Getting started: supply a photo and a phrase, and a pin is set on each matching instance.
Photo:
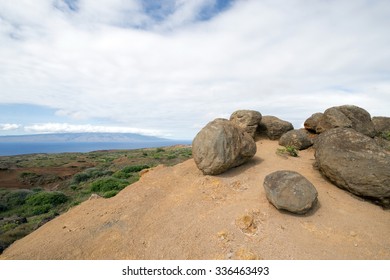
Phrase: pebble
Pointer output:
(352, 233)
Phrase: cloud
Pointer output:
(9, 126)
(115, 61)
(65, 127)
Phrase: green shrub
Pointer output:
(135, 168)
(8, 226)
(122, 175)
(110, 194)
(80, 177)
(16, 198)
(171, 156)
(288, 150)
(3, 207)
(160, 150)
(129, 171)
(89, 174)
(46, 198)
(108, 184)
(292, 151)
(386, 135)
(38, 210)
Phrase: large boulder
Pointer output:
(221, 145)
(247, 120)
(383, 142)
(289, 190)
(382, 125)
(347, 116)
(312, 122)
(297, 138)
(354, 162)
(273, 127)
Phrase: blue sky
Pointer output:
(166, 68)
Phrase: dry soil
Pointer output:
(178, 213)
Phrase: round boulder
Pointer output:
(347, 116)
(221, 145)
(354, 162)
(289, 190)
(247, 120)
(273, 127)
(382, 125)
(297, 138)
(312, 122)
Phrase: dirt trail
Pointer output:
(178, 213)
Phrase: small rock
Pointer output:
(245, 254)
(94, 196)
(289, 190)
(223, 235)
(246, 224)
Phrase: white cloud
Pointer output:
(289, 59)
(65, 127)
(9, 126)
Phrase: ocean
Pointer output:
(8, 149)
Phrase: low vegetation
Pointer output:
(46, 185)
(287, 151)
(386, 135)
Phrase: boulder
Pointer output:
(247, 120)
(381, 125)
(289, 190)
(347, 116)
(221, 145)
(354, 162)
(383, 142)
(312, 122)
(273, 127)
(297, 138)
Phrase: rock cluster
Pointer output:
(223, 144)
(351, 149)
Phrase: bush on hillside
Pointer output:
(89, 174)
(108, 184)
(46, 198)
(16, 198)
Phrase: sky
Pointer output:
(167, 68)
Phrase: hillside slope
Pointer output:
(178, 213)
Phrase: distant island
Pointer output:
(79, 142)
